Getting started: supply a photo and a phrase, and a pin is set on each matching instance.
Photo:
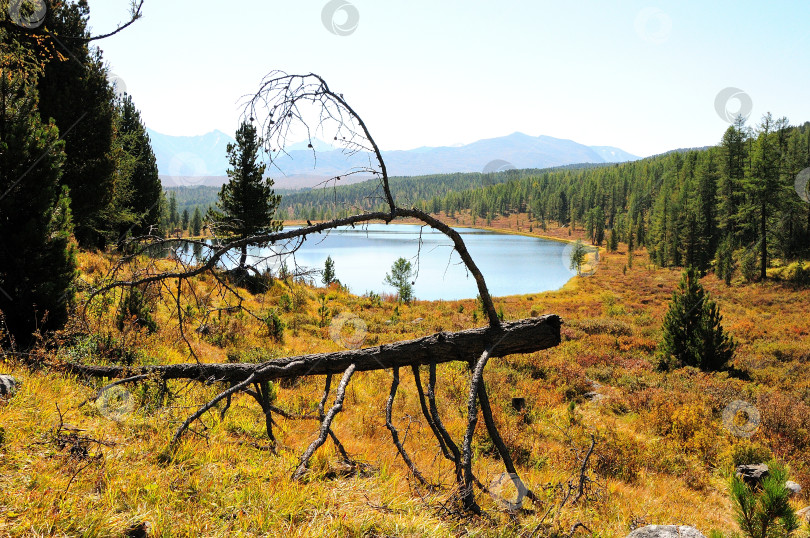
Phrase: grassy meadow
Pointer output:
(662, 453)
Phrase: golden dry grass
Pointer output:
(662, 452)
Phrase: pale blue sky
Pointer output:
(639, 75)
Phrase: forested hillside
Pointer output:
(336, 199)
(688, 207)
(733, 204)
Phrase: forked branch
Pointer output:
(326, 424)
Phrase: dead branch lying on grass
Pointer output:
(522, 336)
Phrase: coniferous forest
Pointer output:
(733, 205)
(76, 167)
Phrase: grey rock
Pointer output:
(793, 487)
(8, 385)
(594, 396)
(804, 514)
(752, 474)
(666, 531)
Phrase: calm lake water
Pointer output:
(511, 264)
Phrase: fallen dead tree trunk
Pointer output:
(522, 336)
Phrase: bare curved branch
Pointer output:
(395, 434)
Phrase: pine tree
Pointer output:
(793, 229)
(37, 262)
(174, 216)
(577, 258)
(613, 241)
(630, 246)
(399, 278)
(693, 239)
(196, 222)
(662, 228)
(141, 175)
(733, 156)
(562, 209)
(764, 512)
(692, 330)
(724, 262)
(763, 188)
(630, 238)
(641, 235)
(75, 93)
(184, 219)
(707, 176)
(247, 203)
(595, 221)
(328, 271)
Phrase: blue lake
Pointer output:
(511, 264)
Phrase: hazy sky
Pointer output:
(640, 75)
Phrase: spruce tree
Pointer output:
(692, 332)
(247, 203)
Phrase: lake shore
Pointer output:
(570, 284)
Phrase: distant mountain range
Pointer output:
(201, 160)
